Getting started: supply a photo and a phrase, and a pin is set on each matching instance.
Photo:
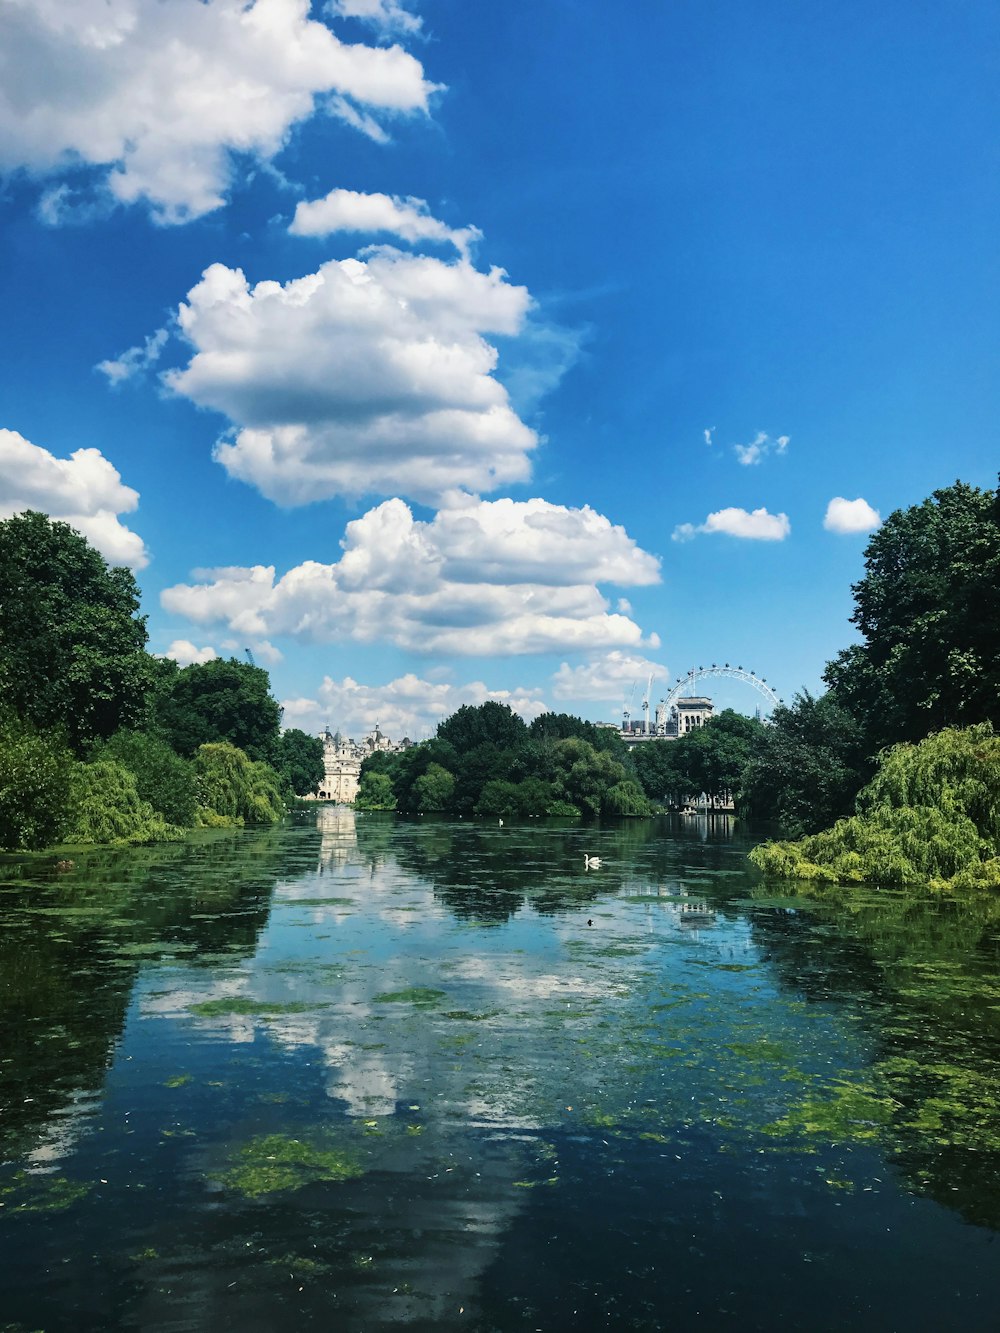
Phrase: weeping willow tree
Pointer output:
(930, 815)
(234, 789)
(107, 808)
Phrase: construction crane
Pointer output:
(627, 710)
(645, 705)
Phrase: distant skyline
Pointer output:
(436, 352)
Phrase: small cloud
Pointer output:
(760, 447)
(184, 652)
(389, 16)
(352, 211)
(757, 525)
(135, 360)
(708, 433)
(847, 516)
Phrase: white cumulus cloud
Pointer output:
(367, 377)
(608, 679)
(185, 653)
(160, 96)
(755, 525)
(84, 490)
(484, 577)
(851, 516)
(351, 211)
(408, 706)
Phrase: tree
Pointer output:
(432, 790)
(807, 766)
(375, 792)
(299, 760)
(72, 644)
(490, 723)
(35, 786)
(928, 610)
(233, 789)
(221, 700)
(561, 726)
(162, 777)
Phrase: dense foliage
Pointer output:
(101, 743)
(72, 644)
(34, 785)
(928, 610)
(221, 700)
(485, 762)
(806, 768)
(930, 814)
(299, 761)
(709, 759)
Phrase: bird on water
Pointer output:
(591, 862)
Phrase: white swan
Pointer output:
(591, 862)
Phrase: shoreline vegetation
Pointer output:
(891, 777)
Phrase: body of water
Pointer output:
(355, 1073)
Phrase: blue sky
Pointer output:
(438, 351)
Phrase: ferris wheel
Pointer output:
(687, 686)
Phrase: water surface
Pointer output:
(357, 1073)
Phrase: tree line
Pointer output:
(101, 742)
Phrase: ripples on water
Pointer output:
(358, 1073)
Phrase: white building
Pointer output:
(342, 760)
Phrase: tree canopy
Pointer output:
(928, 609)
(221, 700)
(72, 642)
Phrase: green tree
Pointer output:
(375, 792)
(490, 723)
(72, 644)
(928, 611)
(221, 700)
(806, 767)
(162, 777)
(432, 791)
(584, 775)
(35, 786)
(233, 789)
(108, 809)
(562, 726)
(299, 760)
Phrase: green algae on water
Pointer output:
(245, 1006)
(276, 1162)
(422, 996)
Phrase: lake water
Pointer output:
(354, 1073)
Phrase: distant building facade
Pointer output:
(342, 760)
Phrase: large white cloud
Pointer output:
(161, 95)
(754, 525)
(367, 377)
(500, 577)
(351, 211)
(84, 490)
(851, 516)
(408, 706)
